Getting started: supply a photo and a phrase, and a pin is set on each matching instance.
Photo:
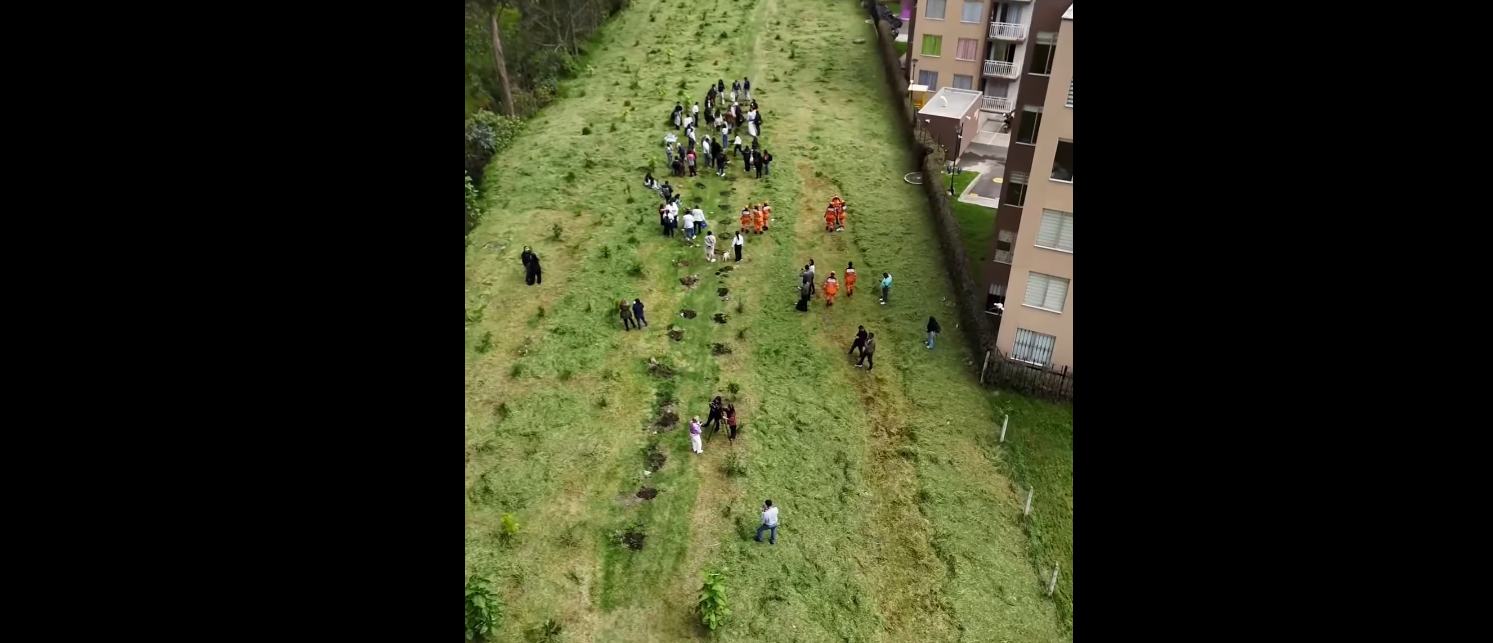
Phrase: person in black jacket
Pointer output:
(637, 311)
(532, 273)
(717, 414)
(933, 330)
(860, 341)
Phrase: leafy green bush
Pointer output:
(713, 610)
(483, 610)
(487, 134)
(510, 527)
(485, 343)
(474, 208)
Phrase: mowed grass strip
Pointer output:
(874, 471)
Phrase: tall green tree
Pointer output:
(494, 9)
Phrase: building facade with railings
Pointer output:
(980, 45)
(1030, 279)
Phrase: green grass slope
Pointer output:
(897, 521)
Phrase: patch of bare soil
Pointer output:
(677, 334)
(656, 460)
(722, 292)
(690, 281)
(688, 314)
(633, 539)
(720, 318)
(720, 349)
(667, 418)
(647, 493)
(659, 369)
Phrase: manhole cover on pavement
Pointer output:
(915, 178)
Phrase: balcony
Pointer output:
(995, 104)
(1000, 69)
(1008, 31)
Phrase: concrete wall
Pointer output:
(1044, 193)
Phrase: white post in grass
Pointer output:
(1053, 584)
(983, 366)
(1029, 492)
(1004, 420)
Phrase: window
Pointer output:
(1031, 120)
(964, 82)
(1070, 91)
(929, 78)
(972, 11)
(1045, 291)
(995, 300)
(1034, 348)
(936, 9)
(1015, 189)
(1003, 243)
(969, 48)
(1056, 232)
(1042, 54)
(932, 45)
(1062, 162)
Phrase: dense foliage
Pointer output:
(713, 610)
(483, 610)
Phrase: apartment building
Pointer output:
(1031, 274)
(971, 44)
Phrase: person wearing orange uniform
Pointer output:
(758, 220)
(830, 288)
(850, 280)
(839, 214)
(829, 218)
(746, 218)
(766, 216)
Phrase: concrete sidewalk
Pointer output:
(990, 161)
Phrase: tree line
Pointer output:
(517, 53)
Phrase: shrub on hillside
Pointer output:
(487, 134)
(474, 208)
(483, 610)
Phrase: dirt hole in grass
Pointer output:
(699, 186)
(690, 281)
(667, 418)
(722, 292)
(677, 334)
(634, 539)
(720, 349)
(720, 318)
(727, 192)
(647, 493)
(725, 269)
(656, 460)
(688, 314)
(725, 207)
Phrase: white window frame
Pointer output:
(1066, 222)
(1070, 91)
(956, 82)
(1031, 342)
(929, 7)
(1046, 287)
(1055, 160)
(940, 46)
(979, 17)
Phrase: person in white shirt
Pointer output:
(737, 243)
(710, 246)
(689, 226)
(695, 110)
(700, 219)
(769, 522)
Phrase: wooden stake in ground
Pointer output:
(983, 366)
(1004, 420)
(1029, 492)
(1053, 584)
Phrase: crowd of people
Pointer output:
(712, 148)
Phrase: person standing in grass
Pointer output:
(731, 424)
(813, 276)
(766, 216)
(769, 522)
(850, 279)
(746, 216)
(710, 246)
(689, 227)
(720, 162)
(637, 311)
(886, 287)
(933, 331)
(746, 86)
(737, 243)
(868, 353)
(531, 266)
(860, 341)
(694, 436)
(831, 287)
(803, 297)
(689, 161)
(759, 220)
(717, 413)
(757, 162)
(766, 162)
(628, 323)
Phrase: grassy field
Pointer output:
(899, 520)
(976, 223)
